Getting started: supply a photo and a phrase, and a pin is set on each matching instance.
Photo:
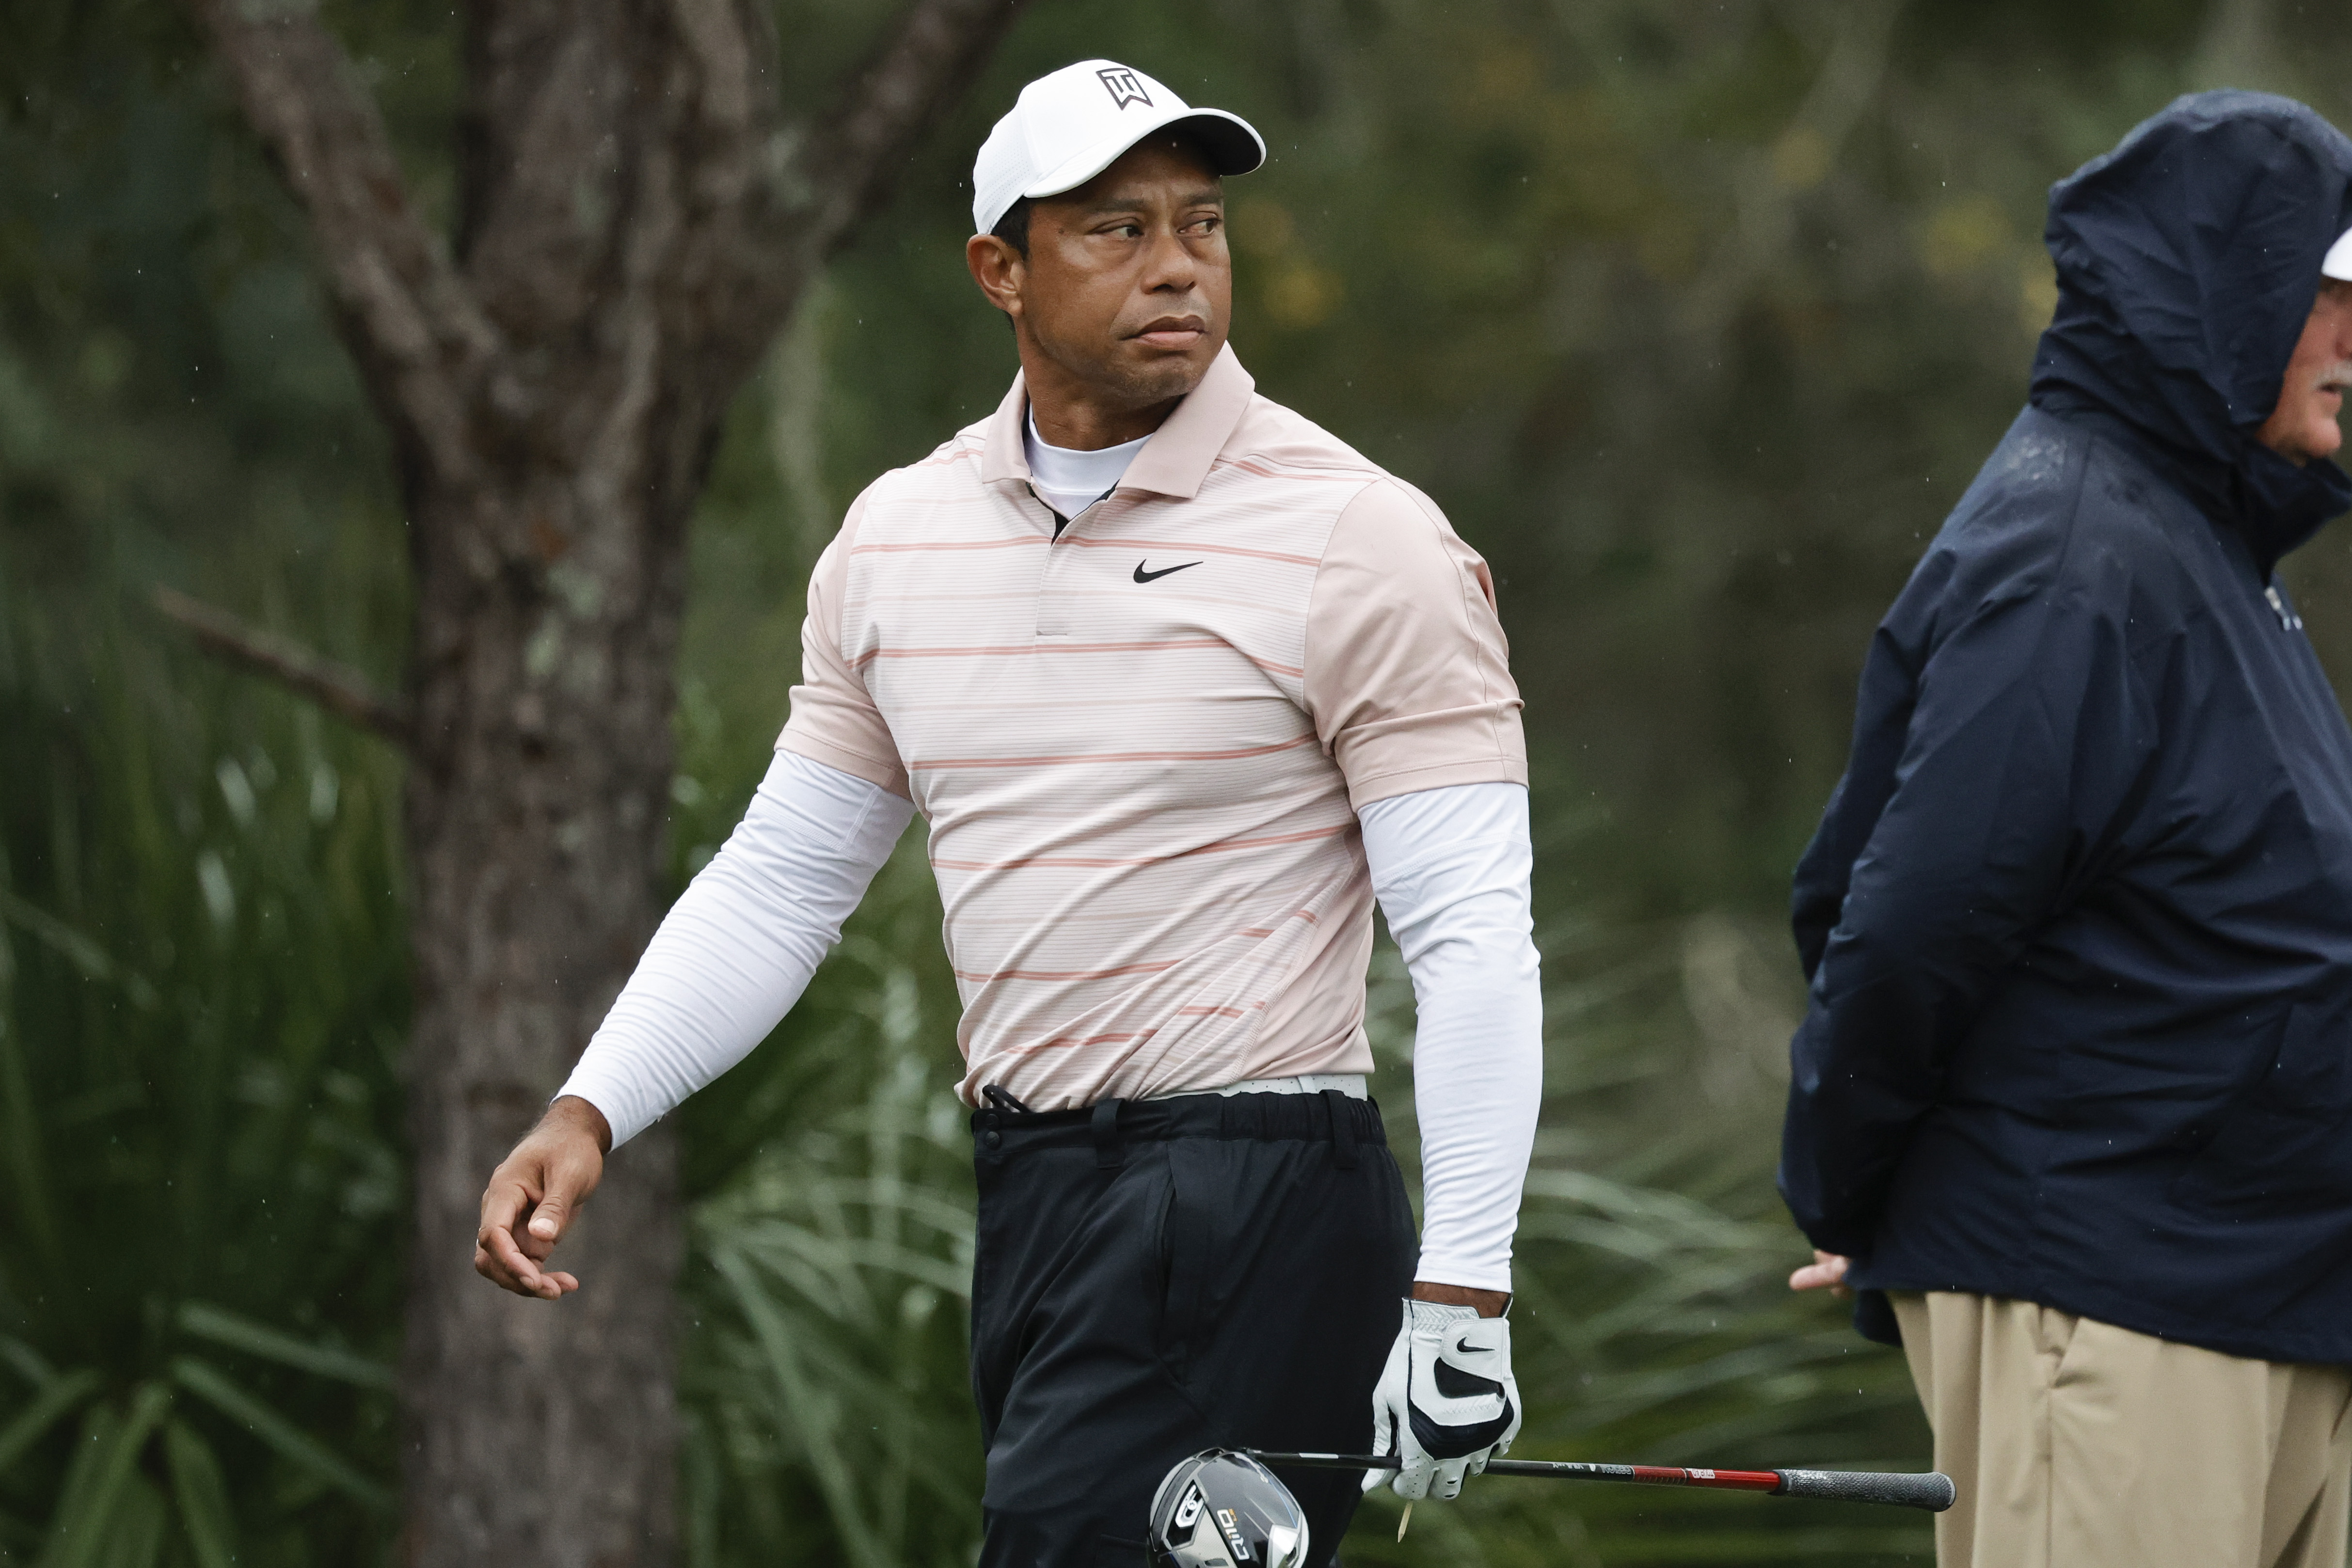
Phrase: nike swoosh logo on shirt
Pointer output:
(1143, 576)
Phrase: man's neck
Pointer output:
(1078, 424)
(1079, 416)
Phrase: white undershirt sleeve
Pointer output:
(737, 950)
(1451, 867)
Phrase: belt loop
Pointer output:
(1108, 1156)
(1343, 1129)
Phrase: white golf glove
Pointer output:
(1447, 1402)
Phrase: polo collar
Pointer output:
(1173, 462)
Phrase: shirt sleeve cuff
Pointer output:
(881, 774)
(1497, 769)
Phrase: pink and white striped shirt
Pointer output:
(1140, 745)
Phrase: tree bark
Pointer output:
(637, 218)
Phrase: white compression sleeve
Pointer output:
(737, 950)
(1451, 868)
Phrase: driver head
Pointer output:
(1223, 1509)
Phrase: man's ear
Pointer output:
(998, 269)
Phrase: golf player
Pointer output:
(2073, 1096)
(1181, 685)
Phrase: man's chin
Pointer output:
(1157, 375)
(2318, 439)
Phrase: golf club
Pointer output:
(1930, 1489)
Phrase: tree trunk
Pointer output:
(636, 219)
(549, 586)
(539, 1432)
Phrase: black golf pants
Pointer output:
(1158, 1278)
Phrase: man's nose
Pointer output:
(1170, 264)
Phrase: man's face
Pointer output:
(1127, 288)
(2303, 424)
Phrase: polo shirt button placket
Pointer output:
(1062, 557)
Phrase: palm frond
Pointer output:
(201, 1490)
(201, 1320)
(293, 1444)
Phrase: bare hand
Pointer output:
(546, 1177)
(1826, 1271)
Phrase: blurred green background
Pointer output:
(1695, 316)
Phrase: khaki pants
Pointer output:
(2075, 1443)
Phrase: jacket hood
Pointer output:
(2188, 261)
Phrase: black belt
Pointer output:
(1108, 1126)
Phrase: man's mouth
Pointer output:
(1172, 332)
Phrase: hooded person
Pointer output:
(2071, 1104)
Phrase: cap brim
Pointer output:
(1233, 146)
(2337, 264)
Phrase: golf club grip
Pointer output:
(1930, 1489)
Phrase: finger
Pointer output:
(1411, 1483)
(503, 1200)
(492, 1264)
(550, 1216)
(1383, 1426)
(517, 1263)
(570, 1175)
(491, 1268)
(1448, 1481)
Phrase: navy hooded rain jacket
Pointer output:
(2078, 919)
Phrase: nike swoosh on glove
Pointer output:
(1447, 1402)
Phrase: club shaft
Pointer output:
(1928, 1490)
(1637, 1475)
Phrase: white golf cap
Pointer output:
(2339, 258)
(1070, 126)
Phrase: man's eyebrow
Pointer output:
(1206, 196)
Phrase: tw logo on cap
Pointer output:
(1120, 83)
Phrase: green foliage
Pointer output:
(827, 1403)
(203, 989)
(201, 999)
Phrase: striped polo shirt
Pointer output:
(1140, 745)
